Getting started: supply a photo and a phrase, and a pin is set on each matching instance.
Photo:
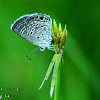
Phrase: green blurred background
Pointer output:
(80, 73)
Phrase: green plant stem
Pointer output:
(56, 94)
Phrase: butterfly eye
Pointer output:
(41, 18)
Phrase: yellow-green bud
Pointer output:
(58, 37)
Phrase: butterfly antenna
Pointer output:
(31, 52)
(34, 52)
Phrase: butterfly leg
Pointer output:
(51, 47)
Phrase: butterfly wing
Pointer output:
(40, 29)
(35, 28)
(19, 26)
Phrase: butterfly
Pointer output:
(35, 28)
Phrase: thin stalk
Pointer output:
(56, 94)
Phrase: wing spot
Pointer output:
(41, 17)
(37, 37)
(27, 34)
(36, 16)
